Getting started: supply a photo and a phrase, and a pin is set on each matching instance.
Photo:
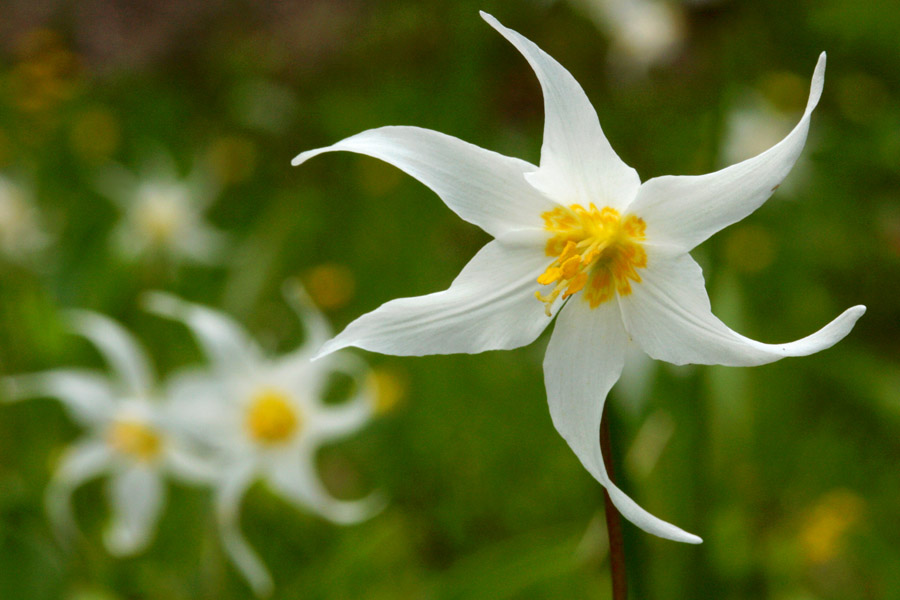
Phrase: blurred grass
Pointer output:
(487, 500)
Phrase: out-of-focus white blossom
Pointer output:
(162, 215)
(266, 419)
(642, 33)
(128, 436)
(753, 126)
(20, 228)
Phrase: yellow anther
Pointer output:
(134, 439)
(571, 266)
(271, 417)
(570, 250)
(597, 251)
(550, 275)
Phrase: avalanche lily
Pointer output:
(579, 237)
(162, 215)
(265, 418)
(129, 436)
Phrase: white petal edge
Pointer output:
(583, 361)
(80, 463)
(222, 339)
(669, 315)
(294, 479)
(489, 306)
(136, 495)
(88, 396)
(229, 493)
(577, 162)
(317, 329)
(121, 350)
(483, 187)
(682, 211)
(335, 421)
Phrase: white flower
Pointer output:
(129, 436)
(20, 230)
(594, 244)
(266, 418)
(162, 215)
(642, 32)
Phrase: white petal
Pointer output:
(188, 464)
(308, 379)
(482, 187)
(137, 496)
(88, 396)
(489, 306)
(120, 349)
(668, 314)
(681, 212)
(223, 340)
(81, 462)
(584, 359)
(228, 499)
(577, 162)
(316, 327)
(295, 480)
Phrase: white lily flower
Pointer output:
(128, 436)
(581, 236)
(162, 215)
(643, 32)
(267, 419)
(20, 228)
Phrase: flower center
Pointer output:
(135, 439)
(597, 251)
(271, 419)
(160, 215)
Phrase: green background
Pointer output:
(788, 471)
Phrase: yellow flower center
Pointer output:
(271, 419)
(135, 439)
(160, 216)
(597, 251)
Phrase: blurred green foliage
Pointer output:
(787, 471)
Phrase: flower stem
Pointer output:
(613, 522)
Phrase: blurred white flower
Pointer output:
(129, 436)
(266, 417)
(755, 125)
(643, 33)
(20, 228)
(162, 215)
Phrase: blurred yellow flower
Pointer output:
(331, 285)
(826, 525)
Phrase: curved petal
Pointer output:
(481, 186)
(577, 162)
(669, 316)
(584, 359)
(222, 339)
(120, 349)
(316, 327)
(81, 462)
(136, 495)
(88, 396)
(682, 211)
(228, 500)
(335, 421)
(489, 306)
(295, 480)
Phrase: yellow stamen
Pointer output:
(135, 439)
(271, 417)
(597, 251)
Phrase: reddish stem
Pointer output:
(613, 522)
